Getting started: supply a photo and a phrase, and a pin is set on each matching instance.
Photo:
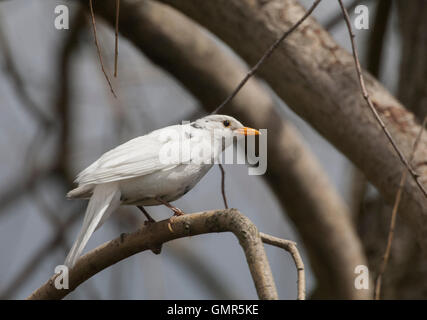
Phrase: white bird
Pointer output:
(153, 169)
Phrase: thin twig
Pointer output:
(98, 49)
(267, 54)
(366, 96)
(386, 256)
(291, 247)
(224, 197)
(116, 45)
(335, 20)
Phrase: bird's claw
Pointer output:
(177, 212)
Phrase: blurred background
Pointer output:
(58, 116)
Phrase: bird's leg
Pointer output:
(156, 249)
(147, 215)
(176, 211)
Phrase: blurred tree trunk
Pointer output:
(407, 265)
(413, 68)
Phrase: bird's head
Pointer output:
(222, 126)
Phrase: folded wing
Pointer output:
(137, 157)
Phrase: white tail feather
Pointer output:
(105, 199)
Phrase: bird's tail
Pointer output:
(105, 199)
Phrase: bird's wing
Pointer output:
(137, 157)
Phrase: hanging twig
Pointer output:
(98, 49)
(386, 256)
(224, 197)
(116, 45)
(267, 54)
(371, 106)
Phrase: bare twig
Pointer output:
(267, 54)
(386, 255)
(224, 197)
(98, 49)
(116, 45)
(291, 247)
(335, 20)
(366, 96)
(208, 275)
(155, 234)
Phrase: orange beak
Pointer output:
(248, 131)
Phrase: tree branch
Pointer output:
(98, 49)
(152, 236)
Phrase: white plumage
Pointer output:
(135, 173)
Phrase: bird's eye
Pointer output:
(226, 123)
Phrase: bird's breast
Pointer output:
(168, 184)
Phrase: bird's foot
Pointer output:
(176, 211)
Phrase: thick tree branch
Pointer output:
(152, 236)
(210, 73)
